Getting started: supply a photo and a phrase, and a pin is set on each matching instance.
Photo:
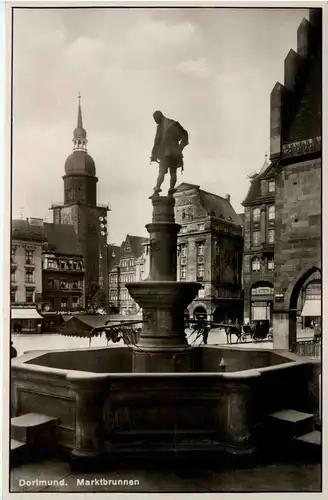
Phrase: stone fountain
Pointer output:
(163, 346)
(161, 397)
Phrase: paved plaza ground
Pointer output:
(26, 342)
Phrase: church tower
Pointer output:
(80, 209)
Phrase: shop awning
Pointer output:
(24, 313)
(312, 308)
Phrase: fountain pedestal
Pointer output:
(162, 345)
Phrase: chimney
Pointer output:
(227, 197)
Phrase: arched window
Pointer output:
(272, 212)
(256, 264)
(256, 214)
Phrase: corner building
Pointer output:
(296, 146)
(210, 251)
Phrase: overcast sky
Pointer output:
(211, 69)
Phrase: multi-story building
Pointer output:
(80, 209)
(296, 146)
(125, 272)
(259, 244)
(210, 250)
(62, 269)
(26, 275)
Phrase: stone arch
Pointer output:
(199, 309)
(219, 314)
(291, 299)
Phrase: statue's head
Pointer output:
(158, 116)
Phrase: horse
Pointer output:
(233, 330)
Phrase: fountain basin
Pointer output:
(103, 407)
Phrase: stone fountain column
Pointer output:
(162, 345)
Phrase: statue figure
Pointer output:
(170, 140)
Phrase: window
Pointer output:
(13, 254)
(270, 264)
(29, 276)
(200, 249)
(29, 296)
(256, 214)
(200, 272)
(75, 302)
(256, 237)
(271, 235)
(51, 283)
(13, 276)
(131, 263)
(183, 272)
(183, 251)
(142, 272)
(63, 284)
(13, 296)
(272, 186)
(75, 284)
(62, 264)
(29, 256)
(63, 303)
(201, 227)
(272, 212)
(256, 264)
(52, 264)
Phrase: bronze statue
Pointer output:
(170, 140)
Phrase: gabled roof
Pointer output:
(254, 191)
(136, 243)
(213, 204)
(62, 239)
(23, 230)
(219, 207)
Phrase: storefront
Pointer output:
(25, 320)
(311, 308)
(261, 303)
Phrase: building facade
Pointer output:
(296, 146)
(80, 209)
(62, 270)
(130, 258)
(26, 275)
(210, 251)
(259, 244)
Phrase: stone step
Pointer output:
(33, 428)
(287, 423)
(17, 452)
(292, 416)
(312, 438)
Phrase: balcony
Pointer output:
(29, 263)
(29, 283)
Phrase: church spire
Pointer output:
(80, 135)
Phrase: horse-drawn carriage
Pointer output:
(255, 331)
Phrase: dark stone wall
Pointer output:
(298, 224)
